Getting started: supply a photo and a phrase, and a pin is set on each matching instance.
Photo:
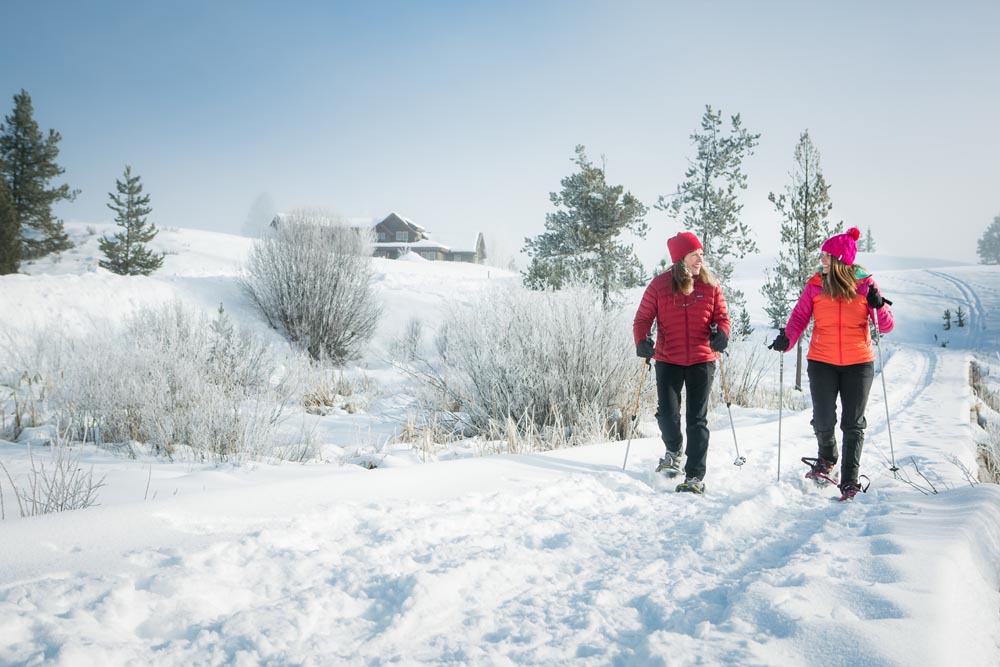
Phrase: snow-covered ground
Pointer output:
(552, 558)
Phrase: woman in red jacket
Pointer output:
(684, 302)
(839, 299)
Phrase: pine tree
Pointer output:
(988, 247)
(947, 319)
(742, 327)
(259, 217)
(581, 244)
(707, 202)
(126, 253)
(221, 335)
(867, 242)
(28, 161)
(960, 317)
(804, 208)
(10, 247)
(777, 303)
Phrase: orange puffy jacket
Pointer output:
(840, 333)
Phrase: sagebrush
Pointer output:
(554, 364)
(167, 378)
(312, 279)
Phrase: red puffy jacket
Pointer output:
(682, 320)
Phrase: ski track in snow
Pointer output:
(977, 312)
(918, 366)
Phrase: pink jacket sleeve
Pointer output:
(801, 314)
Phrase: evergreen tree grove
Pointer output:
(10, 246)
(804, 208)
(28, 163)
(988, 247)
(125, 252)
(581, 242)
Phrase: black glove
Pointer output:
(780, 343)
(645, 348)
(718, 340)
(875, 299)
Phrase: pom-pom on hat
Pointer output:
(682, 245)
(843, 246)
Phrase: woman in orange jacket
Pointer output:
(685, 302)
(839, 299)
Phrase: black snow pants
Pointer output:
(670, 378)
(853, 384)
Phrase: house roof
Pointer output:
(395, 217)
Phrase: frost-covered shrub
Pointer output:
(58, 486)
(987, 415)
(168, 378)
(551, 364)
(746, 363)
(21, 405)
(326, 391)
(312, 279)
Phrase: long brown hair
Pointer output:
(840, 281)
(683, 280)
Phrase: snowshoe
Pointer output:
(691, 485)
(821, 471)
(853, 487)
(670, 464)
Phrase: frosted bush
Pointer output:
(58, 486)
(312, 279)
(554, 365)
(168, 378)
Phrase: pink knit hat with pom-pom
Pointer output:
(843, 246)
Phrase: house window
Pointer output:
(402, 236)
(381, 237)
(429, 255)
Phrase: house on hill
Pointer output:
(396, 235)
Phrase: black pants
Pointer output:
(852, 383)
(698, 380)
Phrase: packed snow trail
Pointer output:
(544, 559)
(593, 569)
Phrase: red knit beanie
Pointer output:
(682, 245)
(843, 246)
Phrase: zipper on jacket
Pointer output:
(687, 334)
(840, 328)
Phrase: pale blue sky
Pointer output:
(463, 116)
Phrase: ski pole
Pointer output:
(740, 460)
(635, 412)
(781, 401)
(885, 393)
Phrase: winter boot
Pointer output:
(853, 487)
(691, 485)
(670, 464)
(820, 470)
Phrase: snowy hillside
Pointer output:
(557, 558)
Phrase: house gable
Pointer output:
(396, 229)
